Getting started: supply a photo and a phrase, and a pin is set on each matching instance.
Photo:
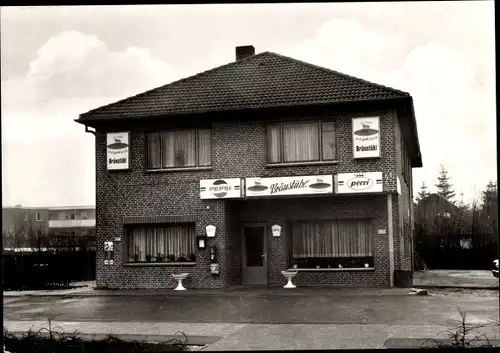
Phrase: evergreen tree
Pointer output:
(423, 193)
(444, 187)
(490, 194)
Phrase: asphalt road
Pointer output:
(438, 308)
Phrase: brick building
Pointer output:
(282, 163)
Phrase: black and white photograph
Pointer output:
(249, 176)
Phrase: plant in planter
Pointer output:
(192, 257)
(148, 257)
(137, 254)
(171, 258)
(159, 257)
(182, 258)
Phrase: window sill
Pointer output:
(149, 264)
(298, 164)
(187, 169)
(332, 269)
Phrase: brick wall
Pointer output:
(238, 150)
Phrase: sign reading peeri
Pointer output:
(118, 150)
(296, 185)
(352, 183)
(366, 137)
(220, 188)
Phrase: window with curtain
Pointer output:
(301, 142)
(331, 239)
(173, 243)
(178, 149)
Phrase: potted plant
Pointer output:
(182, 258)
(136, 257)
(159, 257)
(192, 257)
(148, 257)
(171, 258)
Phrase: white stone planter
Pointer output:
(180, 277)
(289, 275)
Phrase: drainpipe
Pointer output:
(391, 239)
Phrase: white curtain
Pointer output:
(204, 148)
(300, 142)
(154, 160)
(342, 238)
(164, 241)
(273, 144)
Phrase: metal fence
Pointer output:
(457, 251)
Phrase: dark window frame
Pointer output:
(319, 125)
(196, 147)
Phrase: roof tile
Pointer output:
(264, 80)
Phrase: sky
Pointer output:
(58, 62)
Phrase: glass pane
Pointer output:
(154, 150)
(273, 144)
(254, 246)
(329, 148)
(345, 238)
(328, 125)
(174, 243)
(179, 148)
(204, 148)
(301, 142)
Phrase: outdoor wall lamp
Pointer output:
(276, 230)
(210, 231)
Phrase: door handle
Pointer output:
(263, 256)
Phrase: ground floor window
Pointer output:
(170, 243)
(332, 243)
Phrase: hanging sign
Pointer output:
(220, 188)
(108, 253)
(296, 185)
(352, 183)
(118, 150)
(366, 137)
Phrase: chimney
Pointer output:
(244, 52)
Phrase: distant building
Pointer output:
(71, 220)
(21, 226)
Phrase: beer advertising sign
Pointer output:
(366, 137)
(118, 150)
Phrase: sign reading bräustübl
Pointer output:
(118, 150)
(296, 185)
(366, 137)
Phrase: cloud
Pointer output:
(47, 157)
(455, 115)
(73, 64)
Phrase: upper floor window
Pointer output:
(301, 142)
(84, 215)
(38, 216)
(72, 215)
(179, 149)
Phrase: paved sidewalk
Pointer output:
(470, 279)
(228, 336)
(231, 292)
